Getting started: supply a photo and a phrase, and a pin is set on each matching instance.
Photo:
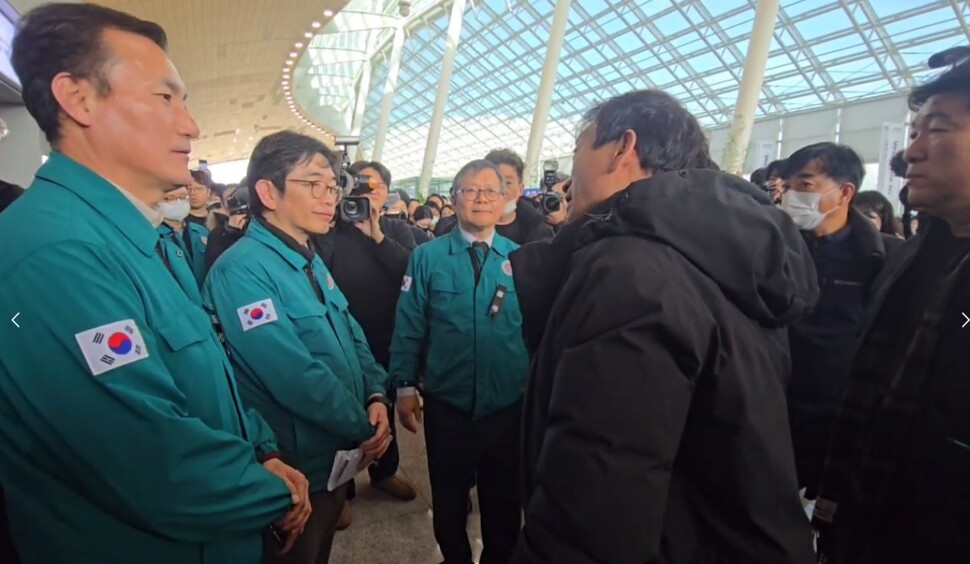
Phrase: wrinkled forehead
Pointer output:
(953, 106)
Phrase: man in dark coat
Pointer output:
(896, 483)
(655, 426)
(822, 181)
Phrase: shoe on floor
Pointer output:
(344, 520)
(397, 487)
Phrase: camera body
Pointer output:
(550, 202)
(238, 202)
(353, 207)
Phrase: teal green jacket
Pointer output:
(124, 440)
(303, 365)
(472, 360)
(194, 253)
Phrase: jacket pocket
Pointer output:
(180, 332)
(309, 318)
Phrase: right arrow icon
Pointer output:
(965, 322)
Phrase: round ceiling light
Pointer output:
(327, 13)
(315, 25)
(308, 35)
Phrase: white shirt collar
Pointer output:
(469, 238)
(153, 216)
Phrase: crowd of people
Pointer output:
(651, 361)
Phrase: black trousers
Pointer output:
(387, 465)
(461, 452)
(313, 546)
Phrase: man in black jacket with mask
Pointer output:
(368, 261)
(654, 421)
(821, 181)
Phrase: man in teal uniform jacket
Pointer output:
(302, 360)
(459, 318)
(190, 238)
(124, 440)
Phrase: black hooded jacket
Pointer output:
(655, 426)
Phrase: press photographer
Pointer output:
(235, 200)
(552, 201)
(368, 254)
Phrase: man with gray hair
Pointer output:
(458, 317)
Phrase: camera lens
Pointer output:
(351, 207)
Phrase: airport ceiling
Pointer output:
(234, 56)
(231, 55)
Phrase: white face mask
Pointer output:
(802, 207)
(174, 211)
(509, 207)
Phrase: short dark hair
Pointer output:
(275, 156)
(202, 177)
(477, 165)
(954, 81)
(56, 38)
(421, 212)
(668, 136)
(872, 201)
(759, 176)
(405, 197)
(839, 162)
(507, 157)
(382, 170)
(776, 169)
(898, 164)
(431, 204)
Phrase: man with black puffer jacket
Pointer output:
(654, 423)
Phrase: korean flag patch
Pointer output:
(111, 346)
(406, 285)
(256, 314)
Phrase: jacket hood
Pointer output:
(728, 229)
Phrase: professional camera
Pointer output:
(550, 202)
(353, 207)
(549, 169)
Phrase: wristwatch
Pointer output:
(379, 398)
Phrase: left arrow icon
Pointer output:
(14, 319)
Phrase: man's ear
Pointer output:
(626, 150)
(75, 96)
(268, 194)
(848, 192)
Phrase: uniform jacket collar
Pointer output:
(103, 196)
(458, 244)
(297, 255)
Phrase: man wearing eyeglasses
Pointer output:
(302, 360)
(367, 260)
(200, 191)
(458, 317)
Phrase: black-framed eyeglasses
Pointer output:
(318, 188)
(472, 193)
